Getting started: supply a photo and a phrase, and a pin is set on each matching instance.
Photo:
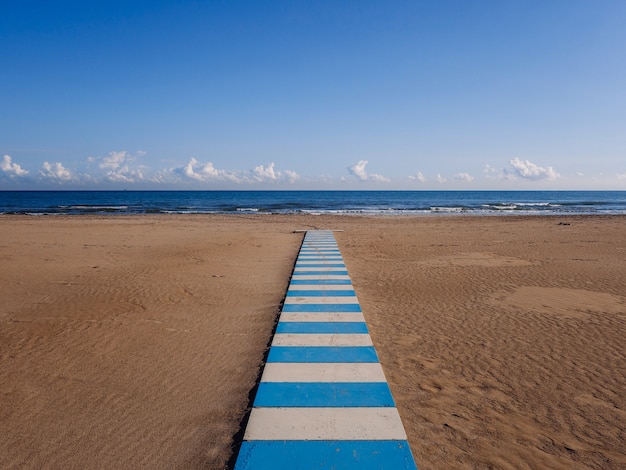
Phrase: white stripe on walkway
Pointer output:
(303, 339)
(293, 287)
(322, 316)
(315, 372)
(314, 424)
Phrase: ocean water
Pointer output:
(313, 202)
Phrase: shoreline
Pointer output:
(262, 215)
(381, 214)
(134, 340)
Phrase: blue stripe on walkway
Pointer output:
(321, 308)
(321, 293)
(319, 273)
(322, 354)
(323, 394)
(322, 327)
(293, 455)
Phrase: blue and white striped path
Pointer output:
(323, 401)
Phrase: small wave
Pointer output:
(537, 204)
(448, 209)
(181, 211)
(85, 209)
(520, 206)
(90, 207)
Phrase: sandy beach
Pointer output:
(135, 341)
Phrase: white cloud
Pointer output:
(121, 166)
(524, 169)
(291, 176)
(418, 177)
(529, 170)
(464, 177)
(379, 178)
(55, 171)
(87, 178)
(124, 175)
(207, 172)
(440, 179)
(492, 173)
(114, 160)
(264, 173)
(621, 176)
(193, 170)
(358, 170)
(10, 168)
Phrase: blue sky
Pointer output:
(312, 94)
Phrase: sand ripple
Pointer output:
(133, 342)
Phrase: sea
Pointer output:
(38, 203)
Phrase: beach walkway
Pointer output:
(323, 401)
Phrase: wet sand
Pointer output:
(134, 342)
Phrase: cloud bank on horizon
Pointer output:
(122, 169)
